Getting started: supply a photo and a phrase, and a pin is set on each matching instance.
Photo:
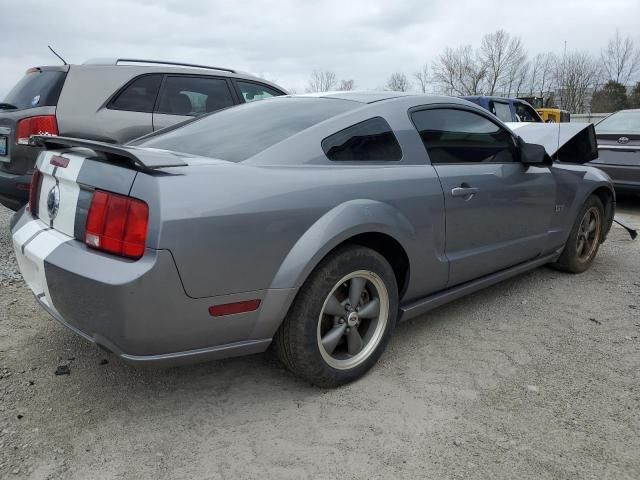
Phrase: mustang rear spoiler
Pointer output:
(145, 159)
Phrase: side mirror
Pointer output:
(532, 154)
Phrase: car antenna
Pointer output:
(54, 52)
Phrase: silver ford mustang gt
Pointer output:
(310, 223)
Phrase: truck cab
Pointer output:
(506, 109)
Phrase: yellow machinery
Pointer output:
(549, 115)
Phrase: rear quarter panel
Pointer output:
(233, 228)
(82, 108)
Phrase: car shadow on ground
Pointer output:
(254, 370)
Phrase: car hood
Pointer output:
(567, 142)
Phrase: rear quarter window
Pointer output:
(139, 95)
(38, 88)
(371, 140)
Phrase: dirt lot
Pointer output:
(537, 377)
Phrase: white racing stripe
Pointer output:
(36, 239)
(33, 243)
(65, 179)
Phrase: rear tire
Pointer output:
(584, 240)
(327, 340)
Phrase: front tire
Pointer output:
(341, 319)
(584, 240)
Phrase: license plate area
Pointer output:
(4, 144)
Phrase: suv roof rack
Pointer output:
(116, 61)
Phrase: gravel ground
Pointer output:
(535, 378)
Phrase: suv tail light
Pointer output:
(117, 224)
(40, 125)
(36, 180)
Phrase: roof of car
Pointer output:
(490, 97)
(358, 96)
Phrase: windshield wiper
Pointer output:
(7, 106)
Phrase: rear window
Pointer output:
(38, 88)
(621, 122)
(241, 132)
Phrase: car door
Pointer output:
(498, 210)
(185, 96)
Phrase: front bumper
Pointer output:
(137, 309)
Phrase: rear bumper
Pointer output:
(137, 309)
(11, 195)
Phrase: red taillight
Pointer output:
(40, 125)
(117, 224)
(36, 178)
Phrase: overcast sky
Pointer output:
(285, 40)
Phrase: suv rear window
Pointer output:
(38, 88)
(241, 132)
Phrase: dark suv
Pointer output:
(111, 100)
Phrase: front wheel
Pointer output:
(584, 240)
(341, 319)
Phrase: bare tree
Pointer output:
(501, 56)
(621, 60)
(459, 71)
(542, 73)
(422, 76)
(322, 81)
(346, 85)
(577, 75)
(516, 73)
(398, 82)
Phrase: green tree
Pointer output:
(610, 98)
(634, 98)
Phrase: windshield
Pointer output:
(38, 88)
(238, 133)
(621, 122)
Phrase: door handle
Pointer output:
(463, 191)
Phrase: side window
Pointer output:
(194, 95)
(371, 140)
(502, 111)
(254, 91)
(459, 136)
(525, 113)
(139, 96)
